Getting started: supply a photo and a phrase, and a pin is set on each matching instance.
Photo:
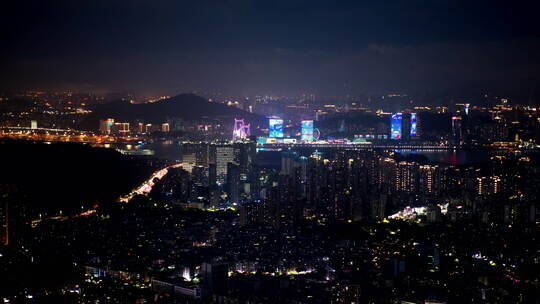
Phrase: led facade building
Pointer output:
(241, 130)
(275, 127)
(307, 130)
(395, 126)
(413, 124)
(403, 126)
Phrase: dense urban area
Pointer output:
(263, 199)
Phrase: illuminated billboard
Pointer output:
(413, 124)
(307, 130)
(275, 127)
(395, 126)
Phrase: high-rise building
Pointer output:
(224, 155)
(414, 126)
(433, 213)
(233, 182)
(406, 126)
(403, 126)
(456, 128)
(245, 153)
(189, 160)
(378, 206)
(212, 175)
(4, 223)
(200, 150)
(386, 168)
(241, 130)
(429, 179)
(307, 130)
(33, 124)
(406, 177)
(215, 277)
(395, 126)
(288, 162)
(275, 127)
(105, 126)
(119, 128)
(254, 181)
(248, 213)
(488, 185)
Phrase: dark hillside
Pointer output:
(65, 176)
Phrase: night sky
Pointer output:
(271, 47)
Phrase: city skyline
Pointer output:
(262, 152)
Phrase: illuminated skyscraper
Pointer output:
(403, 126)
(406, 177)
(429, 179)
(413, 124)
(488, 185)
(275, 127)
(241, 130)
(456, 127)
(307, 130)
(149, 128)
(105, 125)
(119, 128)
(224, 155)
(395, 125)
(189, 160)
(200, 150)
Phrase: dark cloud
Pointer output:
(278, 47)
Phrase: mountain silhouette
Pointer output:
(184, 106)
